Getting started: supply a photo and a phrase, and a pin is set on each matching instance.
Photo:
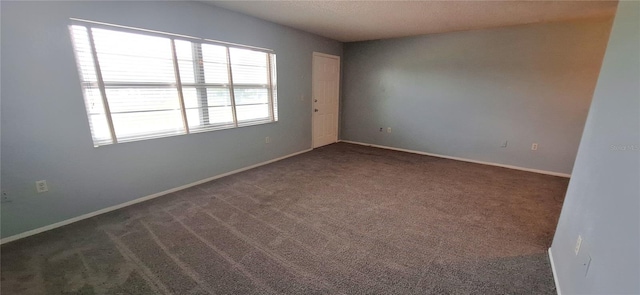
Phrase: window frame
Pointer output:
(200, 88)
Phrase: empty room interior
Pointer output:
(320, 147)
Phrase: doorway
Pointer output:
(325, 99)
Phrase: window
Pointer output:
(141, 84)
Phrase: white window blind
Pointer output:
(142, 85)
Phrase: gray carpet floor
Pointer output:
(342, 219)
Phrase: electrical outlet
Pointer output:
(578, 244)
(267, 139)
(534, 147)
(41, 186)
(504, 144)
(5, 198)
(388, 129)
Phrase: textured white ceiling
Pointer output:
(349, 21)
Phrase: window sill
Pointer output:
(194, 131)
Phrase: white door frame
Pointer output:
(312, 98)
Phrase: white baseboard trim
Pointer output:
(461, 159)
(555, 274)
(139, 200)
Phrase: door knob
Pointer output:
(316, 110)
(315, 100)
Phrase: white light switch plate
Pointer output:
(578, 244)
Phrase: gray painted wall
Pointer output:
(603, 199)
(462, 94)
(45, 134)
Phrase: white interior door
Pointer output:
(326, 89)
